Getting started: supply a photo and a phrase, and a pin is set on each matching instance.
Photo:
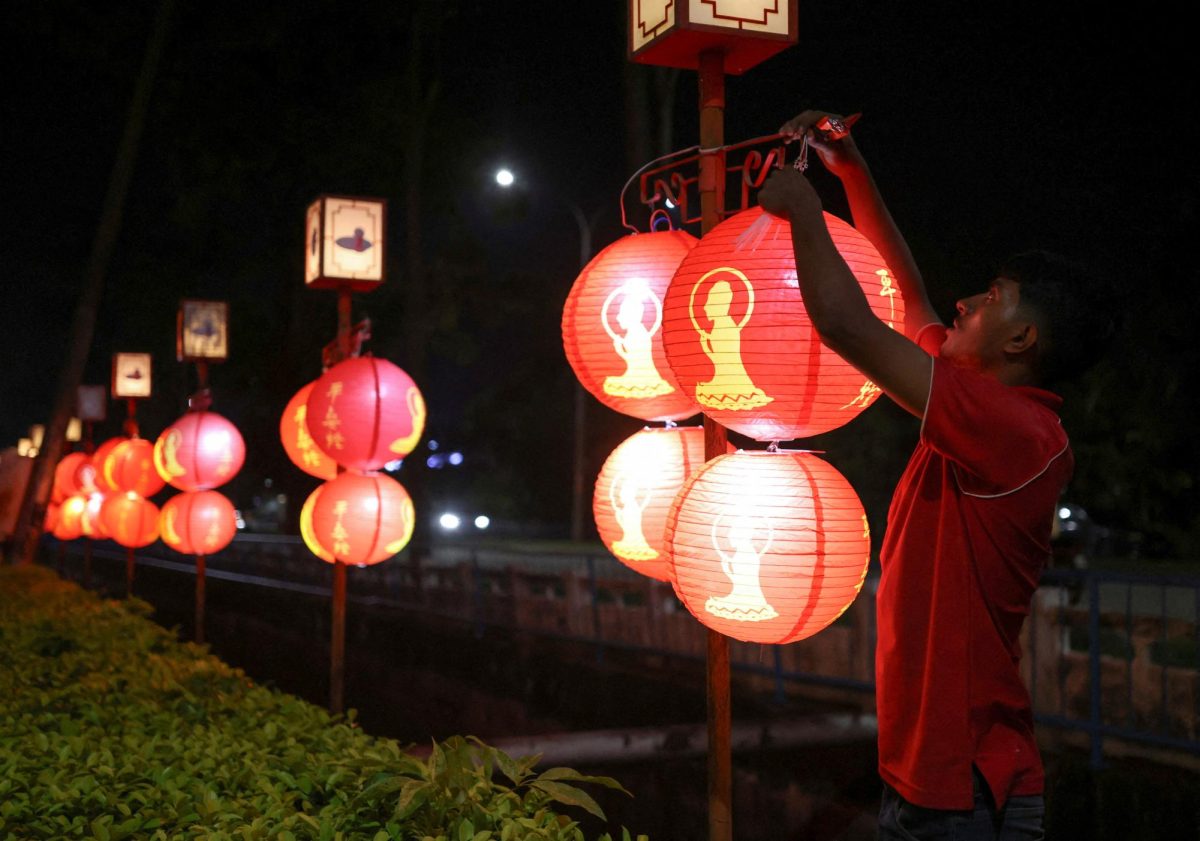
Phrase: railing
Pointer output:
(1107, 654)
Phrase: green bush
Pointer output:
(111, 729)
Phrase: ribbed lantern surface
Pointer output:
(199, 452)
(129, 468)
(741, 344)
(634, 491)
(362, 519)
(767, 547)
(298, 443)
(198, 522)
(130, 520)
(612, 326)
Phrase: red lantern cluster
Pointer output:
(612, 326)
(767, 547)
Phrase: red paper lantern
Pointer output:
(70, 518)
(612, 324)
(365, 412)
(198, 523)
(306, 528)
(131, 520)
(298, 444)
(74, 475)
(739, 339)
(129, 468)
(767, 547)
(362, 519)
(200, 451)
(93, 520)
(99, 457)
(634, 492)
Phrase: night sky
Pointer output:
(991, 128)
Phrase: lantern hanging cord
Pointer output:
(800, 164)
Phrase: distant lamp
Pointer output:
(131, 376)
(449, 522)
(202, 331)
(74, 430)
(344, 243)
(747, 32)
(482, 522)
(505, 177)
(37, 434)
(25, 448)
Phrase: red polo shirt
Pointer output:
(968, 534)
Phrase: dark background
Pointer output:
(991, 128)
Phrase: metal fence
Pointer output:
(1111, 655)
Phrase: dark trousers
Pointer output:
(1019, 820)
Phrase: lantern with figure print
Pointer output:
(129, 466)
(362, 519)
(200, 451)
(298, 444)
(365, 412)
(306, 527)
(68, 524)
(74, 474)
(740, 342)
(198, 522)
(612, 326)
(634, 492)
(767, 547)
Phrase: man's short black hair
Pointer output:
(1073, 307)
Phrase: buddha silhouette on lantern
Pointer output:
(742, 566)
(629, 496)
(634, 342)
(730, 386)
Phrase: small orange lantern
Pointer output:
(93, 521)
(767, 547)
(131, 520)
(74, 475)
(70, 518)
(612, 324)
(298, 444)
(129, 467)
(198, 522)
(362, 519)
(365, 412)
(306, 528)
(739, 339)
(100, 456)
(634, 493)
(200, 451)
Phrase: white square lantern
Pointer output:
(344, 243)
(202, 331)
(674, 33)
(131, 375)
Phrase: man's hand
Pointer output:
(841, 156)
(788, 195)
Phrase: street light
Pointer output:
(506, 178)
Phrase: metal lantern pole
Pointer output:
(199, 600)
(337, 635)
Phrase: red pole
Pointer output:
(129, 567)
(712, 202)
(337, 648)
(200, 599)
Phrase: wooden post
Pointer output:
(199, 600)
(337, 647)
(87, 565)
(130, 561)
(712, 202)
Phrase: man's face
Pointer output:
(985, 323)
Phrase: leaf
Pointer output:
(571, 775)
(570, 795)
(412, 795)
(466, 830)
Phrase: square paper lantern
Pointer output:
(91, 402)
(202, 331)
(131, 375)
(343, 241)
(674, 33)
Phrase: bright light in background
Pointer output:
(505, 177)
(482, 522)
(456, 459)
(449, 521)
(1063, 513)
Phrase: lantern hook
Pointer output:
(658, 216)
(332, 353)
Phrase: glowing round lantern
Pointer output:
(70, 518)
(365, 412)
(74, 475)
(200, 451)
(634, 493)
(739, 339)
(306, 528)
(129, 468)
(93, 520)
(298, 444)
(99, 457)
(131, 520)
(198, 523)
(362, 519)
(612, 326)
(767, 547)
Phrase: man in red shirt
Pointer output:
(969, 525)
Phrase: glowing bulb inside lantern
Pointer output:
(505, 177)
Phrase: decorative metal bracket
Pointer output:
(747, 165)
(336, 352)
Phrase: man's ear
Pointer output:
(1023, 339)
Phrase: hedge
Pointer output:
(112, 729)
